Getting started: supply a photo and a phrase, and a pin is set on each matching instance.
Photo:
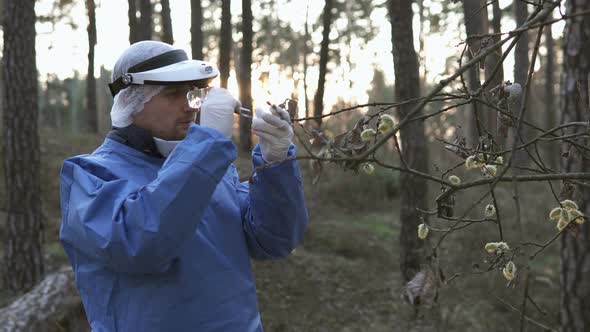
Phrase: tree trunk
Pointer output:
(491, 61)
(489, 114)
(575, 247)
(413, 140)
(421, 51)
(225, 42)
(1, 16)
(521, 51)
(1, 65)
(73, 96)
(2, 85)
(133, 22)
(473, 26)
(493, 58)
(167, 35)
(306, 41)
(24, 224)
(246, 75)
(145, 21)
(521, 68)
(318, 108)
(54, 305)
(91, 111)
(552, 151)
(196, 29)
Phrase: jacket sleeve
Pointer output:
(273, 208)
(134, 229)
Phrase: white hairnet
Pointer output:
(131, 100)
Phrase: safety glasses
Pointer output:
(195, 98)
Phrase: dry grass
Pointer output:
(345, 277)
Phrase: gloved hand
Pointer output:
(217, 111)
(274, 131)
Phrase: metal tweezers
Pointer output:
(242, 111)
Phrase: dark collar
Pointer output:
(137, 138)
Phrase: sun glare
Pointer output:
(62, 50)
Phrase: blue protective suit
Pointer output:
(165, 244)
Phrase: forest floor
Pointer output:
(345, 276)
(340, 279)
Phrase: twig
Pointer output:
(547, 328)
(499, 221)
(524, 299)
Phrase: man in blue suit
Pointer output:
(155, 222)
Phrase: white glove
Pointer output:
(217, 111)
(274, 131)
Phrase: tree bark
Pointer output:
(1, 13)
(246, 75)
(225, 42)
(145, 21)
(1, 86)
(493, 58)
(167, 35)
(521, 68)
(196, 29)
(421, 51)
(133, 22)
(473, 26)
(491, 61)
(318, 108)
(91, 111)
(73, 97)
(575, 247)
(54, 305)
(521, 51)
(413, 140)
(306, 40)
(1, 66)
(552, 155)
(24, 224)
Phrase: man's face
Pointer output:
(167, 115)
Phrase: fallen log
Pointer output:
(54, 305)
